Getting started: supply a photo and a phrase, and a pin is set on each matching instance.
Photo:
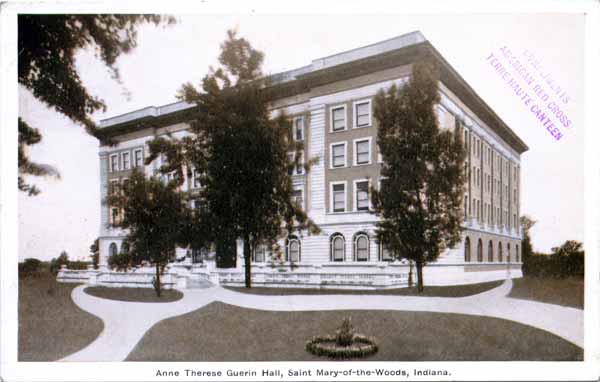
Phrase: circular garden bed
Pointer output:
(344, 344)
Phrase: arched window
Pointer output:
(293, 249)
(384, 253)
(361, 247)
(337, 247)
(467, 250)
(508, 252)
(490, 252)
(112, 249)
(499, 252)
(260, 253)
(517, 254)
(479, 251)
(125, 247)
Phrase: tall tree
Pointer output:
(527, 248)
(241, 153)
(47, 48)
(152, 212)
(419, 203)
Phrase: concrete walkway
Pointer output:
(125, 323)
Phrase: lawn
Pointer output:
(134, 294)
(566, 292)
(221, 332)
(51, 326)
(429, 291)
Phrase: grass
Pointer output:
(51, 326)
(565, 292)
(221, 332)
(134, 294)
(429, 291)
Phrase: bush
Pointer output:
(29, 267)
(57, 263)
(556, 266)
(78, 264)
(120, 261)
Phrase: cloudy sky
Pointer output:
(66, 216)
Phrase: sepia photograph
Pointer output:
(199, 189)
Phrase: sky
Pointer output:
(66, 215)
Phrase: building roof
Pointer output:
(396, 51)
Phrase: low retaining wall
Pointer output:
(324, 276)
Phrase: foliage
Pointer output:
(95, 253)
(120, 261)
(344, 344)
(344, 334)
(527, 248)
(29, 267)
(241, 154)
(420, 198)
(78, 264)
(48, 47)
(152, 212)
(568, 260)
(57, 263)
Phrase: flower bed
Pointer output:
(344, 344)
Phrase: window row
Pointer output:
(361, 245)
(361, 116)
(490, 252)
(124, 160)
(362, 148)
(338, 196)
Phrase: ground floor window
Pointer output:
(337, 247)
(361, 247)
(260, 253)
(467, 250)
(112, 249)
(517, 254)
(294, 249)
(499, 252)
(479, 251)
(490, 252)
(508, 252)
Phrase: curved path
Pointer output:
(125, 323)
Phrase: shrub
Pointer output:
(120, 261)
(29, 267)
(57, 263)
(556, 266)
(77, 264)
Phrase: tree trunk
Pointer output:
(419, 276)
(157, 286)
(247, 262)
(410, 274)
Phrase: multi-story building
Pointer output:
(331, 104)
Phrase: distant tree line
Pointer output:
(566, 260)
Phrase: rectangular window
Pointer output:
(362, 148)
(338, 155)
(115, 216)
(297, 197)
(338, 118)
(299, 128)
(296, 169)
(362, 195)
(114, 187)
(196, 183)
(338, 197)
(125, 160)
(362, 113)
(114, 163)
(138, 158)
(125, 184)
